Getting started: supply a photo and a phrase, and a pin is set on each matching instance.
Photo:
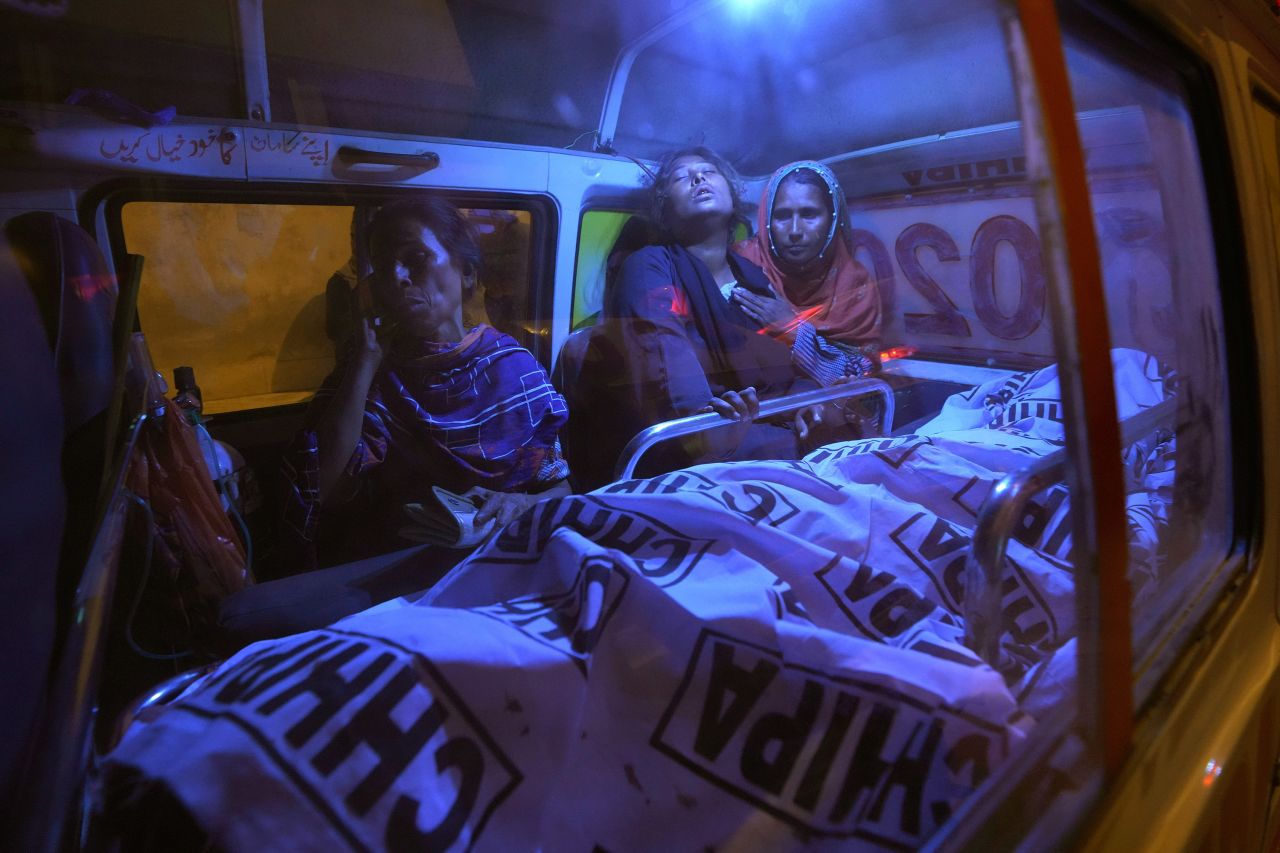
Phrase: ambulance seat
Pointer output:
(32, 513)
(60, 537)
(585, 372)
(75, 293)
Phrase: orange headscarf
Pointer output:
(840, 298)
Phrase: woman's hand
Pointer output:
(775, 315)
(368, 343)
(827, 422)
(809, 419)
(741, 407)
(508, 506)
(505, 507)
(820, 424)
(338, 427)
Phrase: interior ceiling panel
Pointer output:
(766, 81)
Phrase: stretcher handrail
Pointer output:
(159, 695)
(997, 519)
(677, 427)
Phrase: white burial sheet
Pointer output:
(751, 655)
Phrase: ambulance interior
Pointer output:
(244, 212)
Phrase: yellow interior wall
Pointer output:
(237, 292)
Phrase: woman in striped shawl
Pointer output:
(420, 401)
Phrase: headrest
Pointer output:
(635, 234)
(567, 370)
(76, 293)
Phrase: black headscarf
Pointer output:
(740, 352)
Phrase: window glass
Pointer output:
(98, 45)
(765, 83)
(1164, 308)
(888, 719)
(238, 291)
(505, 297)
(462, 70)
(601, 251)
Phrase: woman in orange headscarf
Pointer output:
(803, 243)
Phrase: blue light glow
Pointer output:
(743, 8)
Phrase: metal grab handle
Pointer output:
(426, 160)
(677, 427)
(1000, 514)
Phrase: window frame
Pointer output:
(1264, 92)
(1134, 38)
(996, 814)
(1133, 41)
(577, 253)
(109, 199)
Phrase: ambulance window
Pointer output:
(766, 85)
(463, 70)
(239, 291)
(505, 297)
(602, 247)
(1165, 312)
(189, 51)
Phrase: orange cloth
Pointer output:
(841, 300)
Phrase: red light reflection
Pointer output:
(896, 352)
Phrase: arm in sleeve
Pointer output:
(332, 402)
(666, 380)
(300, 466)
(648, 309)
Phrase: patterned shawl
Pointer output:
(481, 412)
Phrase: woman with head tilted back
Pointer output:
(804, 245)
(685, 346)
(420, 400)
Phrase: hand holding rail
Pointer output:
(678, 427)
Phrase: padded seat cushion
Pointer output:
(76, 292)
(32, 512)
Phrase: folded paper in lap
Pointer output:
(449, 520)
